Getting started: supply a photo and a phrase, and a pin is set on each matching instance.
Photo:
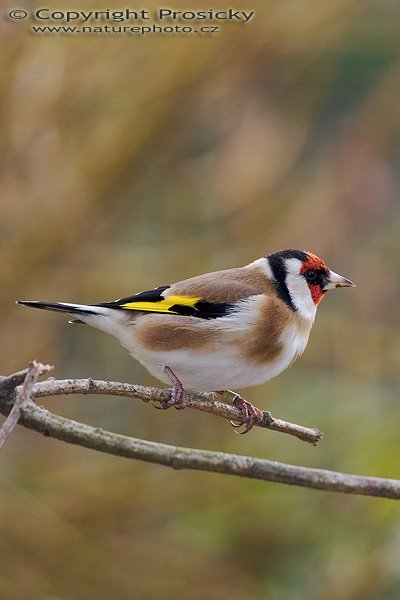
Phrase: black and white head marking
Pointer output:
(277, 262)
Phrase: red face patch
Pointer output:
(316, 263)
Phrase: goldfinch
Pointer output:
(227, 329)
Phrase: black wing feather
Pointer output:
(154, 295)
(203, 310)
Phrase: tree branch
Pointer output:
(150, 394)
(49, 424)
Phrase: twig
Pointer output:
(149, 394)
(73, 432)
(29, 377)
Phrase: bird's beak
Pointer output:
(335, 280)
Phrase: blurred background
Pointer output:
(130, 162)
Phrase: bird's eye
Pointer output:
(310, 274)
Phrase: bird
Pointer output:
(223, 330)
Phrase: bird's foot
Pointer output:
(178, 395)
(251, 415)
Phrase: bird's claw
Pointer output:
(178, 397)
(251, 415)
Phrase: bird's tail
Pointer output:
(84, 310)
(102, 316)
(65, 307)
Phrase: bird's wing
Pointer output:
(161, 301)
(207, 296)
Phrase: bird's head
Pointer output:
(303, 278)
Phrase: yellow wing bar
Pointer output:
(162, 306)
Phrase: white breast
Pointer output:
(222, 369)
